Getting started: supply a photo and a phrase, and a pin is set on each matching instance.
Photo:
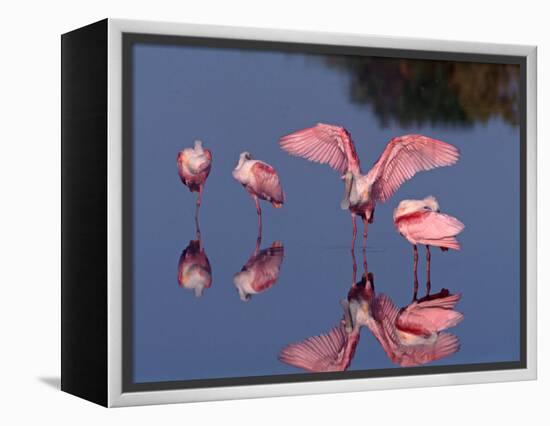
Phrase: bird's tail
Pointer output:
(446, 243)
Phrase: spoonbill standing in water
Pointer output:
(402, 158)
(421, 222)
(261, 181)
(194, 167)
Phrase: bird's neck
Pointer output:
(241, 162)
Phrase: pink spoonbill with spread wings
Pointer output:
(421, 222)
(402, 158)
(261, 182)
(194, 166)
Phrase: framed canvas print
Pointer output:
(253, 212)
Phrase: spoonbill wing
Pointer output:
(405, 156)
(431, 228)
(447, 301)
(445, 345)
(430, 316)
(266, 183)
(326, 352)
(266, 266)
(385, 315)
(323, 143)
(385, 310)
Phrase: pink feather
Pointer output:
(332, 351)
(405, 156)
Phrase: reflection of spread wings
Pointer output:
(266, 266)
(267, 185)
(332, 351)
(430, 316)
(323, 143)
(419, 352)
(405, 156)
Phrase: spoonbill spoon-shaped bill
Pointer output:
(420, 222)
(260, 272)
(403, 157)
(194, 166)
(194, 271)
(261, 181)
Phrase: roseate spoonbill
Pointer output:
(194, 166)
(194, 271)
(412, 335)
(403, 157)
(421, 222)
(260, 272)
(261, 181)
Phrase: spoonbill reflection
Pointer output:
(194, 167)
(261, 181)
(421, 222)
(412, 335)
(403, 157)
(194, 271)
(332, 351)
(261, 271)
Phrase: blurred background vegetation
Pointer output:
(416, 92)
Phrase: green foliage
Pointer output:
(437, 92)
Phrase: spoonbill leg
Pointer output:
(354, 270)
(198, 206)
(428, 280)
(354, 232)
(365, 233)
(415, 269)
(259, 212)
(198, 230)
(365, 267)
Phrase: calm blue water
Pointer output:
(242, 100)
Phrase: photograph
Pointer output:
(297, 212)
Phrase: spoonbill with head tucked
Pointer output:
(261, 182)
(421, 222)
(403, 157)
(193, 168)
